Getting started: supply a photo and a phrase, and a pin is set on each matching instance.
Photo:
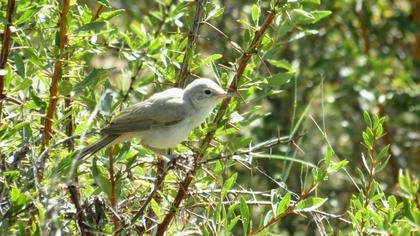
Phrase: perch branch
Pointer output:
(243, 61)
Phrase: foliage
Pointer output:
(287, 155)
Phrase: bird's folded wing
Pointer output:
(145, 115)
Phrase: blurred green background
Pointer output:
(312, 79)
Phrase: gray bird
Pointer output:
(165, 119)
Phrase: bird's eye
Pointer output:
(207, 92)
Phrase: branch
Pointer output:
(5, 48)
(80, 215)
(157, 185)
(192, 38)
(98, 12)
(47, 132)
(243, 61)
(113, 197)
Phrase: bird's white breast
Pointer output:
(167, 137)
(170, 136)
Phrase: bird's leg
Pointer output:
(168, 158)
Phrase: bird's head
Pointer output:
(204, 93)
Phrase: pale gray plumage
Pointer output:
(165, 119)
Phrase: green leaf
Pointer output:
(207, 60)
(318, 2)
(328, 156)
(283, 64)
(302, 16)
(215, 13)
(383, 153)
(233, 222)
(93, 78)
(367, 119)
(255, 13)
(378, 131)
(392, 202)
(303, 34)
(229, 184)
(283, 204)
(23, 84)
(244, 214)
(110, 14)
(29, 13)
(103, 183)
(339, 165)
(156, 209)
(104, 3)
(319, 15)
(366, 139)
(310, 204)
(17, 199)
(13, 174)
(65, 87)
(20, 66)
(92, 26)
(280, 78)
(376, 197)
(284, 158)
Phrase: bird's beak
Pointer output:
(225, 95)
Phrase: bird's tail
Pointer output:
(98, 145)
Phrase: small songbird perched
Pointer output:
(165, 119)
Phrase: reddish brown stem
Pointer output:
(98, 12)
(80, 215)
(416, 21)
(243, 61)
(113, 197)
(47, 132)
(5, 49)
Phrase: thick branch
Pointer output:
(54, 81)
(5, 48)
(243, 61)
(80, 215)
(192, 38)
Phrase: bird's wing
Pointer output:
(154, 112)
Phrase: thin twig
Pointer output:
(158, 183)
(192, 38)
(166, 12)
(98, 12)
